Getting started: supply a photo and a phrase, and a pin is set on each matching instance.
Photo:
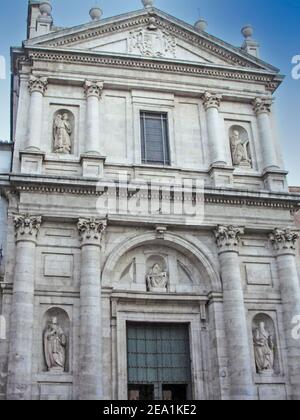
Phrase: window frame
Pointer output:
(166, 150)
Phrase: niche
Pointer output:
(55, 340)
(63, 132)
(265, 345)
(240, 147)
(157, 279)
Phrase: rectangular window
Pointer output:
(155, 138)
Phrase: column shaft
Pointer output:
(235, 319)
(216, 143)
(37, 88)
(284, 242)
(93, 138)
(91, 385)
(90, 325)
(239, 356)
(35, 120)
(93, 92)
(22, 314)
(262, 108)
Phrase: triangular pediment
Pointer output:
(147, 34)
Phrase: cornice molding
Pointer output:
(270, 81)
(210, 197)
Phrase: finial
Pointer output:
(250, 45)
(247, 31)
(96, 13)
(45, 8)
(148, 3)
(201, 25)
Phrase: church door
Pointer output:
(159, 365)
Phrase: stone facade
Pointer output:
(5, 166)
(78, 272)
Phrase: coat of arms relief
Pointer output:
(152, 43)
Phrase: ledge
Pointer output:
(49, 377)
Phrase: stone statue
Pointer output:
(157, 279)
(55, 342)
(239, 150)
(264, 349)
(62, 131)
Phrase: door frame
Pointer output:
(198, 362)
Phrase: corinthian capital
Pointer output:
(211, 100)
(91, 230)
(228, 237)
(261, 105)
(284, 240)
(93, 88)
(37, 84)
(27, 227)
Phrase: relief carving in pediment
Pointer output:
(152, 43)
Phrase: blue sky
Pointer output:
(276, 24)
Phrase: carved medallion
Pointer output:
(152, 43)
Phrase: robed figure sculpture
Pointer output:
(62, 131)
(55, 342)
(264, 349)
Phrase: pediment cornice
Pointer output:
(68, 38)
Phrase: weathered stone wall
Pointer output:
(77, 272)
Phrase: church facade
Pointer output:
(151, 246)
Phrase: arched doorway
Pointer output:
(160, 293)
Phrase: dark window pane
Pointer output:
(155, 142)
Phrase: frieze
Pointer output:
(200, 70)
(209, 197)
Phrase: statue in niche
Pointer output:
(240, 150)
(157, 279)
(264, 349)
(62, 130)
(55, 342)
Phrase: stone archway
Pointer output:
(199, 254)
(176, 307)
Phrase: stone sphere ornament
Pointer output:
(247, 31)
(45, 8)
(96, 13)
(201, 25)
(148, 3)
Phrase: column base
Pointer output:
(92, 165)
(32, 160)
(221, 175)
(275, 180)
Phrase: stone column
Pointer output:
(37, 88)
(93, 91)
(284, 243)
(262, 108)
(90, 377)
(211, 102)
(22, 313)
(238, 347)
